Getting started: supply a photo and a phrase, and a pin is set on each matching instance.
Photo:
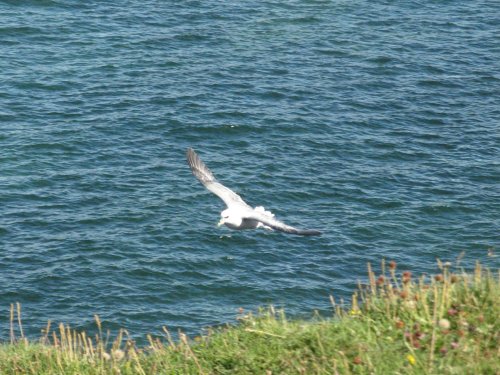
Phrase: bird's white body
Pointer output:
(234, 219)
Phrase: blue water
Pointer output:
(374, 122)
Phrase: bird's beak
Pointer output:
(221, 222)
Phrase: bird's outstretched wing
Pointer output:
(207, 178)
(278, 225)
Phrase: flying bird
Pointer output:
(238, 214)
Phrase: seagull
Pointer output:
(238, 214)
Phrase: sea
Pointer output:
(375, 122)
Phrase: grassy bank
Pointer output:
(397, 324)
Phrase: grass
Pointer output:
(396, 324)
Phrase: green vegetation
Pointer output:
(396, 324)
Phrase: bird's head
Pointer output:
(230, 219)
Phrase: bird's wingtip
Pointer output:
(191, 154)
(311, 232)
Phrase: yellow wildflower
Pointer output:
(411, 359)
